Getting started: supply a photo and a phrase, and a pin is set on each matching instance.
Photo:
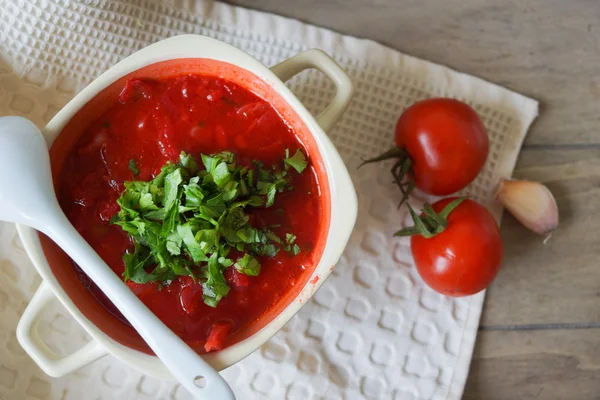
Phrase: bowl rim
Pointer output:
(343, 201)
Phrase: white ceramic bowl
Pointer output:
(343, 203)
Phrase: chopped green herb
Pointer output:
(215, 287)
(186, 220)
(289, 238)
(174, 243)
(271, 191)
(290, 247)
(297, 161)
(133, 167)
(189, 163)
(248, 265)
(192, 246)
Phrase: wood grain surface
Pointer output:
(540, 330)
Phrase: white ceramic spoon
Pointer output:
(27, 197)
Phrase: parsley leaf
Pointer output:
(193, 247)
(248, 265)
(221, 174)
(289, 238)
(136, 261)
(174, 243)
(215, 286)
(188, 162)
(193, 194)
(133, 167)
(297, 161)
(172, 182)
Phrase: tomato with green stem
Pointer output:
(442, 146)
(456, 246)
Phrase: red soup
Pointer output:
(151, 122)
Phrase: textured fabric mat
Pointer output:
(374, 330)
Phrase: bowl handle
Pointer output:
(50, 362)
(319, 60)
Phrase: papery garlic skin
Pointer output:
(531, 203)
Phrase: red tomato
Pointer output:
(463, 259)
(447, 142)
(190, 297)
(216, 337)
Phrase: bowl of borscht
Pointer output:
(203, 182)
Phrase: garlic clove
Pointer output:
(531, 203)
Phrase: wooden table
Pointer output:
(540, 331)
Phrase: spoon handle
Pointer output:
(187, 367)
(27, 197)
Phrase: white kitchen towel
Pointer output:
(374, 330)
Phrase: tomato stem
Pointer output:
(429, 223)
(451, 206)
(401, 170)
(394, 152)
